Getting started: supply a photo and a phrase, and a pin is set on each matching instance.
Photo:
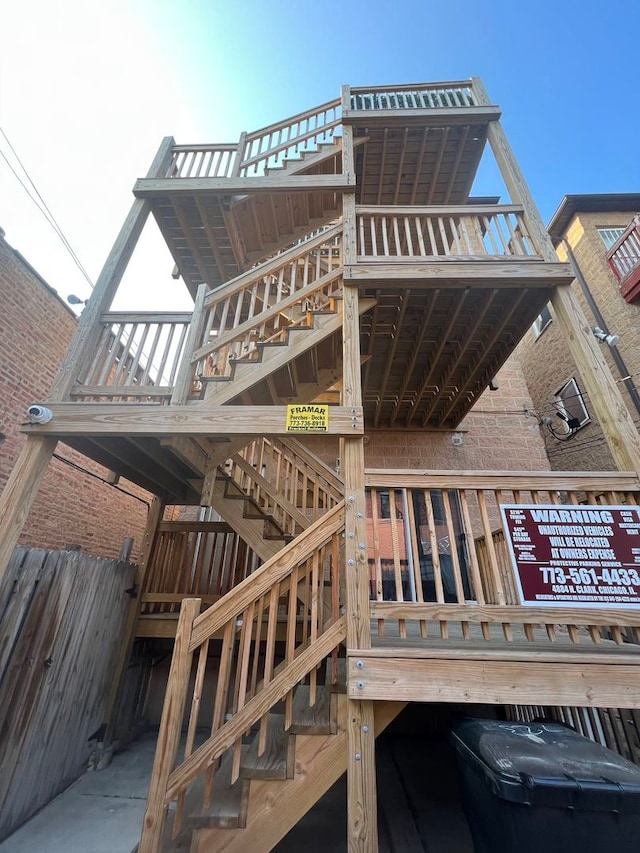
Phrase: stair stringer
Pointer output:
(250, 529)
(300, 340)
(275, 806)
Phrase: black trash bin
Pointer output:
(543, 788)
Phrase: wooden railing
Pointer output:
(258, 306)
(300, 585)
(286, 481)
(203, 161)
(137, 357)
(413, 97)
(441, 563)
(272, 146)
(470, 232)
(203, 559)
(269, 147)
(624, 260)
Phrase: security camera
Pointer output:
(605, 338)
(39, 414)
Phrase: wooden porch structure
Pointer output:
(334, 255)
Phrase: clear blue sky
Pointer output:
(86, 109)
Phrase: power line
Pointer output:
(42, 206)
(77, 467)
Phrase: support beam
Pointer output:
(200, 419)
(514, 180)
(436, 271)
(77, 355)
(533, 679)
(604, 395)
(362, 829)
(20, 492)
(149, 188)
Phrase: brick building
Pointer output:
(73, 507)
(586, 230)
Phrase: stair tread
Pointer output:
(228, 807)
(318, 719)
(278, 759)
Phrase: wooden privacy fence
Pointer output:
(62, 615)
(440, 556)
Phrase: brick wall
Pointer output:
(547, 362)
(497, 435)
(71, 508)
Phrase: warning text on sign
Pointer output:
(587, 556)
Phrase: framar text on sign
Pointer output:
(307, 418)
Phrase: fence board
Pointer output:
(61, 619)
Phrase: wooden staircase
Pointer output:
(255, 674)
(276, 789)
(216, 235)
(271, 335)
(268, 491)
(276, 739)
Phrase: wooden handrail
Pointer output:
(334, 479)
(270, 266)
(250, 680)
(409, 87)
(261, 581)
(472, 232)
(263, 302)
(272, 128)
(270, 146)
(194, 558)
(292, 487)
(548, 480)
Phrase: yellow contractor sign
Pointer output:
(307, 418)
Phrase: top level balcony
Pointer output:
(223, 207)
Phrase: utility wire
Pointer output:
(77, 467)
(42, 206)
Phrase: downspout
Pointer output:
(623, 370)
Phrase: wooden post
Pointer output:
(182, 384)
(514, 179)
(20, 492)
(111, 709)
(604, 394)
(170, 725)
(605, 397)
(362, 829)
(106, 285)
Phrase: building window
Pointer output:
(542, 321)
(610, 236)
(571, 407)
